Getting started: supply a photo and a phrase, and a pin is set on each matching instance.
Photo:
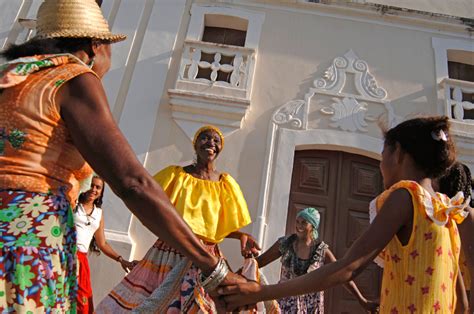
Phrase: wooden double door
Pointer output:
(340, 185)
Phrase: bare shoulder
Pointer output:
(399, 198)
(84, 88)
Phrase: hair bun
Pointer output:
(428, 141)
(439, 136)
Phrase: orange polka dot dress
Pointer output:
(420, 277)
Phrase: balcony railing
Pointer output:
(213, 86)
(216, 64)
(456, 106)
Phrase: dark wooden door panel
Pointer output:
(314, 173)
(341, 186)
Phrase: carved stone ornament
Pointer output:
(290, 115)
(348, 114)
(335, 76)
(349, 111)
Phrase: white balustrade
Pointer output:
(455, 105)
(237, 66)
(213, 86)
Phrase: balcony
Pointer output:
(213, 85)
(457, 107)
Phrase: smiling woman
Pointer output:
(303, 252)
(214, 207)
(89, 223)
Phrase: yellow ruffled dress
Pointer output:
(212, 209)
(420, 277)
(165, 281)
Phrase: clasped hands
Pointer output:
(230, 295)
(235, 294)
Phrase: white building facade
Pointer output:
(299, 89)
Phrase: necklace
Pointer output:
(88, 216)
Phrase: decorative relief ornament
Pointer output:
(290, 114)
(348, 114)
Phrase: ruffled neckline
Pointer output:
(439, 209)
(222, 177)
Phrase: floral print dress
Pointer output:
(291, 267)
(37, 256)
(40, 173)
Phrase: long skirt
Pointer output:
(85, 303)
(168, 277)
(37, 253)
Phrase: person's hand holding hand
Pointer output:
(230, 279)
(249, 246)
(126, 265)
(241, 296)
(370, 306)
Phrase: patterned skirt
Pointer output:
(37, 253)
(163, 282)
(311, 303)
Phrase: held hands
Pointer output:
(249, 246)
(126, 265)
(370, 306)
(230, 279)
(241, 296)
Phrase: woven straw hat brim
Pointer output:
(73, 19)
(109, 38)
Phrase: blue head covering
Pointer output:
(312, 216)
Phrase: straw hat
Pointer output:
(73, 19)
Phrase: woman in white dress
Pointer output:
(89, 223)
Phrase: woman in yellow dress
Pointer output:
(214, 207)
(416, 226)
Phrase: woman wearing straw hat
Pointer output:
(50, 91)
(213, 205)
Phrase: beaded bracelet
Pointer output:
(216, 277)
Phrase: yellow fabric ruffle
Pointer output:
(440, 210)
(212, 210)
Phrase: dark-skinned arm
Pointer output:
(105, 247)
(462, 301)
(269, 255)
(350, 286)
(466, 232)
(396, 213)
(248, 245)
(85, 110)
